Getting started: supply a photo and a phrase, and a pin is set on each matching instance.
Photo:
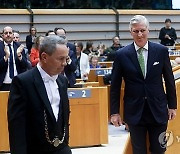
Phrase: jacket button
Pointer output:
(145, 98)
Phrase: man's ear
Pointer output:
(44, 57)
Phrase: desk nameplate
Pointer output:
(79, 93)
(103, 72)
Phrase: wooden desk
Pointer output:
(173, 57)
(79, 80)
(88, 84)
(101, 80)
(176, 68)
(107, 64)
(94, 72)
(4, 135)
(88, 119)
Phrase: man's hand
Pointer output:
(6, 50)
(172, 114)
(85, 75)
(68, 60)
(19, 50)
(116, 120)
(167, 36)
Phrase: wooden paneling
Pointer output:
(88, 84)
(107, 64)
(93, 73)
(4, 137)
(84, 125)
(97, 25)
(89, 120)
(176, 68)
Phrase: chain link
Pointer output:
(47, 132)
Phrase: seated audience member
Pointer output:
(111, 51)
(34, 55)
(100, 49)
(31, 38)
(17, 39)
(12, 59)
(16, 36)
(89, 50)
(167, 34)
(82, 62)
(50, 32)
(94, 62)
(175, 62)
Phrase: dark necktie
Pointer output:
(11, 65)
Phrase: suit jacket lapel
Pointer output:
(151, 56)
(133, 56)
(61, 91)
(15, 50)
(42, 92)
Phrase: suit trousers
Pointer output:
(155, 131)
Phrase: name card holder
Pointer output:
(79, 93)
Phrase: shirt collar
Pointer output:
(46, 77)
(8, 43)
(137, 47)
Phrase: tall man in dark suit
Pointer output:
(69, 70)
(12, 59)
(147, 107)
(38, 106)
(62, 33)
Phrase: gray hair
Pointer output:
(138, 19)
(48, 45)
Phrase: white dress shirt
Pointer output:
(51, 89)
(145, 54)
(7, 78)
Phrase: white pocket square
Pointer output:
(155, 63)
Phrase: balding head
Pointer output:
(8, 35)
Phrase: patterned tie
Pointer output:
(141, 60)
(11, 65)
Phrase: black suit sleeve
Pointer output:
(17, 118)
(169, 82)
(21, 65)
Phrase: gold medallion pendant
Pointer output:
(56, 142)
